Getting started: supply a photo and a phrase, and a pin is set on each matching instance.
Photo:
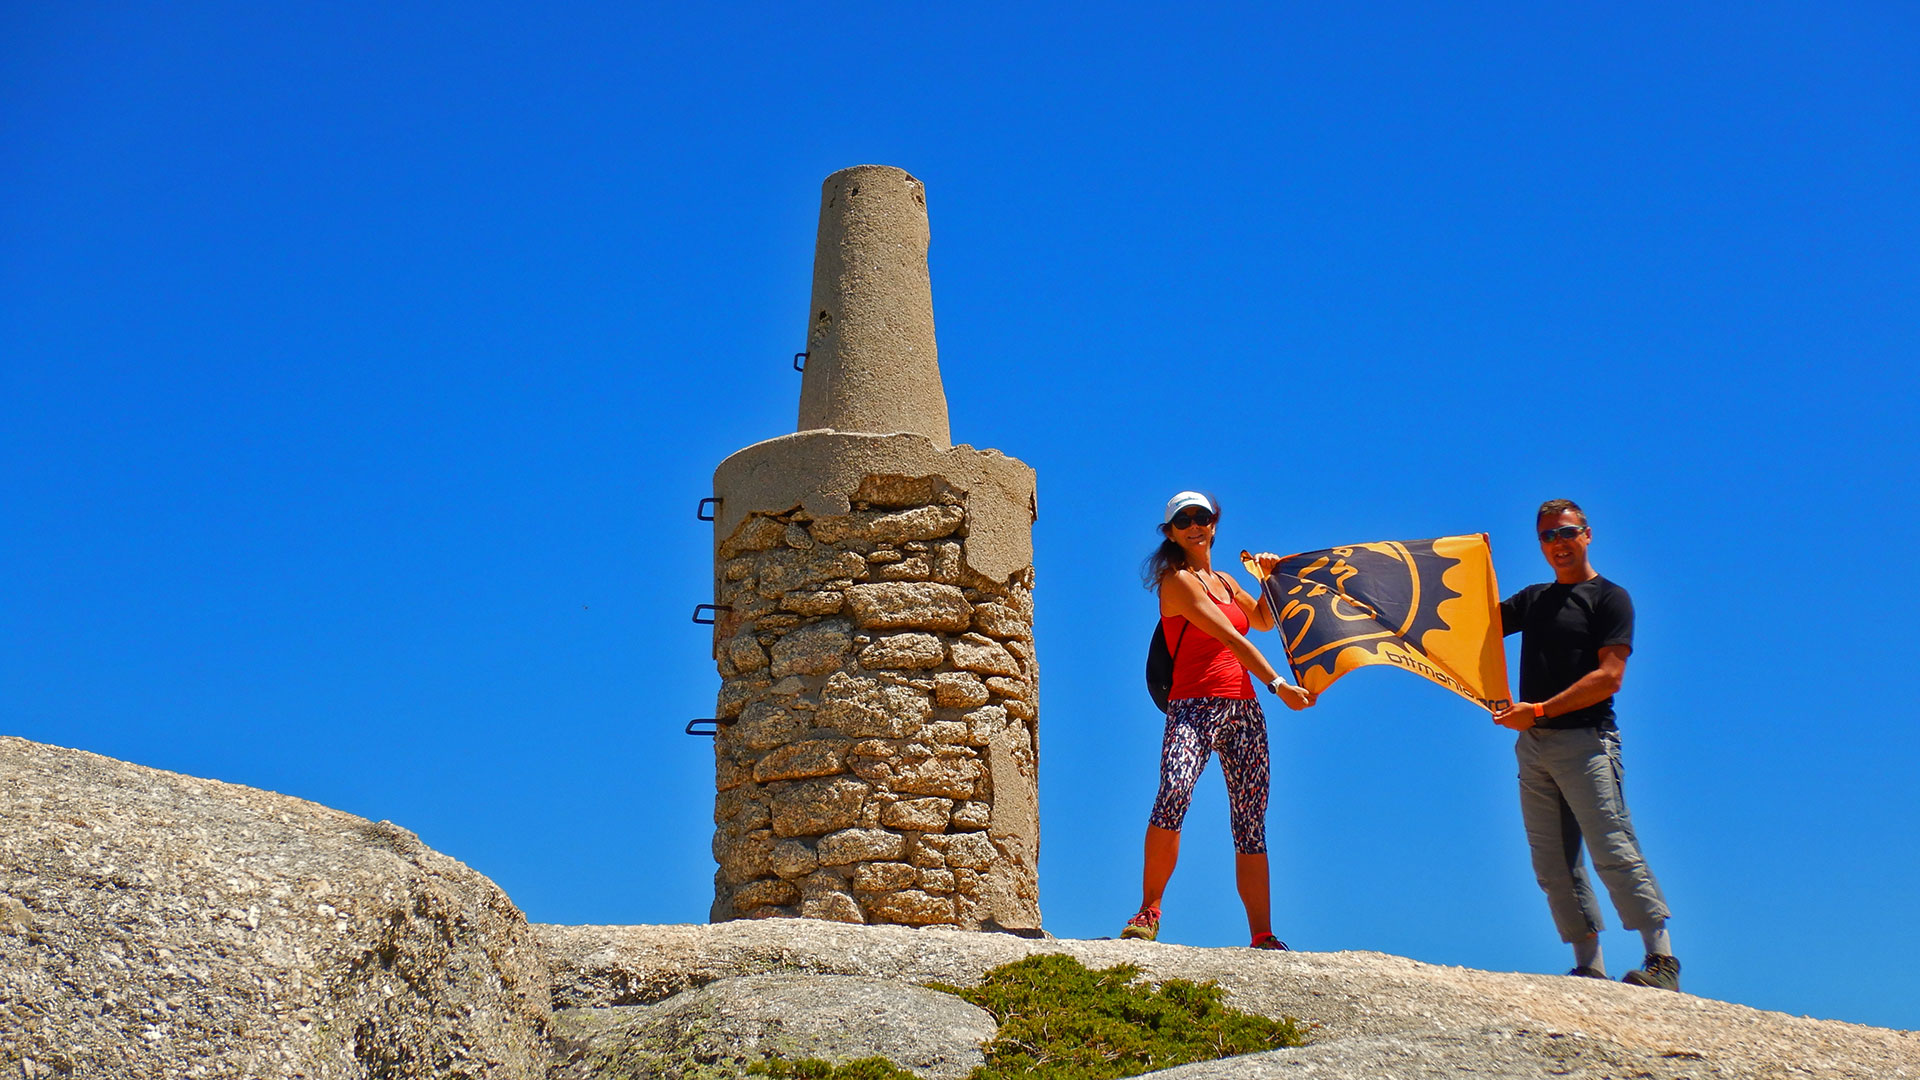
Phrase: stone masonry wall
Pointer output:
(876, 751)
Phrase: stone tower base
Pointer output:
(876, 757)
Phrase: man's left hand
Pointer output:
(1519, 716)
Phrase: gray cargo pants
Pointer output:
(1569, 792)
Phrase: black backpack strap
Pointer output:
(1226, 583)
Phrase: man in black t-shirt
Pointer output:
(1575, 634)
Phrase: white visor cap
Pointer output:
(1186, 499)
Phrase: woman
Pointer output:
(1205, 615)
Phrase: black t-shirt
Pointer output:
(1562, 630)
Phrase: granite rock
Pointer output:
(157, 925)
(722, 1027)
(1371, 1015)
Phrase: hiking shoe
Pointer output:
(1657, 971)
(1144, 926)
(1268, 941)
(1588, 973)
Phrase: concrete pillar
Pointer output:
(871, 361)
(877, 757)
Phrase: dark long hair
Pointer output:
(1169, 556)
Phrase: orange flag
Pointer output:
(1431, 607)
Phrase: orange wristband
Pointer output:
(1539, 711)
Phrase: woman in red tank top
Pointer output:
(1205, 615)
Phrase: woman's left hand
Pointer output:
(1267, 560)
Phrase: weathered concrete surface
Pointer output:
(728, 1024)
(871, 361)
(1374, 1016)
(155, 925)
(820, 472)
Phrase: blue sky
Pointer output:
(361, 368)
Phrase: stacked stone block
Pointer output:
(876, 752)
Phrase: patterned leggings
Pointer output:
(1237, 728)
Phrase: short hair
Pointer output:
(1556, 507)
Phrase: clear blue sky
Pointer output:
(361, 366)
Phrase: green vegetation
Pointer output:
(1060, 1020)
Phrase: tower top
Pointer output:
(872, 366)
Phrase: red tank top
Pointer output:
(1202, 665)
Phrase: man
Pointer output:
(1575, 634)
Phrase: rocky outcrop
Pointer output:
(1372, 1016)
(155, 925)
(728, 1024)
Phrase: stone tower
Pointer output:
(876, 743)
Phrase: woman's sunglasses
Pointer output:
(1564, 532)
(1192, 515)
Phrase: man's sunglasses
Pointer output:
(1192, 515)
(1564, 532)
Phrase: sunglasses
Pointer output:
(1192, 515)
(1564, 532)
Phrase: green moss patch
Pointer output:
(1060, 1020)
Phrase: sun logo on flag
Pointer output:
(1365, 595)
